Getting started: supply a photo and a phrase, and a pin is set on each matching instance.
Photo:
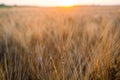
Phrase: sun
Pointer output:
(67, 3)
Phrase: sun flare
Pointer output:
(65, 3)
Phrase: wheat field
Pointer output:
(77, 43)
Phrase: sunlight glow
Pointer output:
(68, 3)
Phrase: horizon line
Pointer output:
(59, 5)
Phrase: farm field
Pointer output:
(60, 43)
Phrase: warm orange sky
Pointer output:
(60, 2)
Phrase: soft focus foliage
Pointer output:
(80, 43)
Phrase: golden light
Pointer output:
(67, 3)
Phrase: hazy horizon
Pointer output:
(60, 2)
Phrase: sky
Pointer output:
(60, 2)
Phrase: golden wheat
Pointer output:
(60, 43)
